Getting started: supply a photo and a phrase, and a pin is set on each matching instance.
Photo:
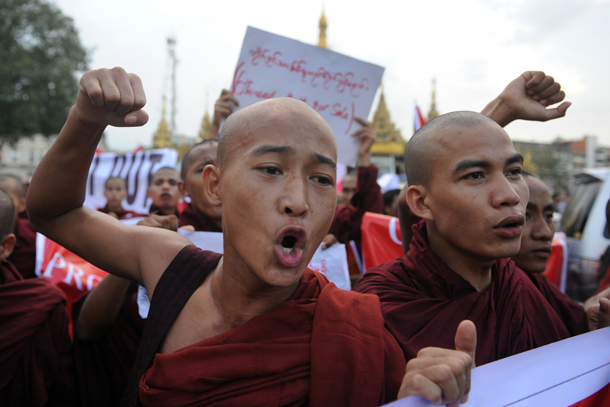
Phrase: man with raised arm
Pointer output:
(465, 183)
(253, 326)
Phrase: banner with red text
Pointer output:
(573, 372)
(135, 168)
(336, 86)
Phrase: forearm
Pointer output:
(101, 307)
(59, 183)
(499, 112)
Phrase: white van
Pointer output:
(584, 223)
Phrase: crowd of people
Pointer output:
(254, 326)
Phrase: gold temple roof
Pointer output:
(162, 138)
(389, 139)
(322, 25)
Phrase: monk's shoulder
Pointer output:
(391, 274)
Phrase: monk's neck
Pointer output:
(238, 299)
(217, 220)
(476, 271)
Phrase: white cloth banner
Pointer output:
(336, 86)
(331, 262)
(135, 168)
(558, 375)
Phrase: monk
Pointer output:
(165, 191)
(269, 329)
(115, 191)
(465, 183)
(536, 246)
(35, 359)
(199, 213)
(23, 256)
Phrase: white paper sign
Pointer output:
(135, 168)
(558, 375)
(336, 86)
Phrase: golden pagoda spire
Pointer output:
(323, 25)
(205, 122)
(162, 138)
(389, 139)
(433, 112)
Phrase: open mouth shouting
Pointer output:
(289, 246)
(510, 227)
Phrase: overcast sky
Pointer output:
(473, 48)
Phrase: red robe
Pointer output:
(368, 198)
(122, 215)
(35, 359)
(423, 301)
(201, 223)
(322, 346)
(23, 256)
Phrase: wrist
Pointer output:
(75, 120)
(499, 112)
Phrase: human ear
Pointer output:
(148, 193)
(7, 245)
(211, 184)
(182, 189)
(417, 197)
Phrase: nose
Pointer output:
(504, 193)
(542, 230)
(294, 201)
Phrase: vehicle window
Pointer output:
(577, 210)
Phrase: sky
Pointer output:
(473, 48)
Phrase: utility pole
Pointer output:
(171, 49)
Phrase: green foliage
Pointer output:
(40, 56)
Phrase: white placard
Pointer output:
(336, 86)
(135, 168)
(558, 375)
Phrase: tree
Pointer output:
(40, 56)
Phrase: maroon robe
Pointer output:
(35, 360)
(23, 256)
(423, 301)
(572, 314)
(200, 222)
(322, 346)
(123, 214)
(368, 198)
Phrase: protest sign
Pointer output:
(336, 86)
(135, 168)
(559, 375)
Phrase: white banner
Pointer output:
(558, 375)
(336, 86)
(135, 168)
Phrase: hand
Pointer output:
(222, 109)
(443, 375)
(328, 241)
(597, 309)
(153, 220)
(110, 97)
(527, 98)
(188, 228)
(366, 136)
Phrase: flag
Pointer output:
(418, 118)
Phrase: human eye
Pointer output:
(514, 172)
(323, 180)
(474, 176)
(269, 170)
(548, 216)
(528, 216)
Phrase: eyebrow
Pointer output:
(273, 149)
(466, 164)
(324, 160)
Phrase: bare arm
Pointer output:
(222, 109)
(527, 98)
(57, 190)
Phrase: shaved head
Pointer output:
(150, 180)
(113, 179)
(187, 160)
(421, 149)
(7, 214)
(256, 117)
(12, 184)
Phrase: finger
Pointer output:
(189, 228)
(173, 223)
(92, 87)
(135, 119)
(362, 122)
(126, 94)
(556, 98)
(533, 78)
(227, 95)
(560, 111)
(466, 338)
(604, 313)
(550, 91)
(112, 95)
(418, 385)
(358, 132)
(543, 85)
(138, 91)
